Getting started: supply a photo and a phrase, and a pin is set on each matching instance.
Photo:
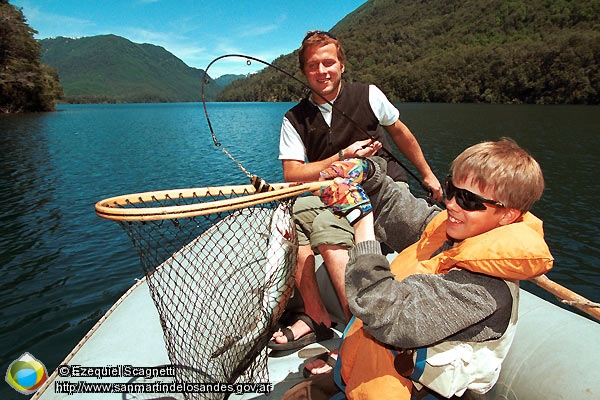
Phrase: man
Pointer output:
(315, 131)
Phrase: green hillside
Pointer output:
(493, 51)
(226, 79)
(110, 68)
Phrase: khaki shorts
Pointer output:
(317, 225)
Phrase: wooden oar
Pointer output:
(567, 296)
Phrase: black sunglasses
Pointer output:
(467, 200)
(313, 33)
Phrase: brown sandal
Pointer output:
(318, 332)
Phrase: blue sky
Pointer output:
(195, 31)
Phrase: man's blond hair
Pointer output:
(319, 38)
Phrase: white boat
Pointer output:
(554, 354)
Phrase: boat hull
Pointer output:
(553, 356)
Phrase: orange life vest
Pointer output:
(516, 251)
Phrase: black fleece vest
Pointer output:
(322, 142)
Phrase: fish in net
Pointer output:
(220, 265)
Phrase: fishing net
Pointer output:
(220, 264)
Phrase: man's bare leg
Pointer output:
(306, 283)
(335, 259)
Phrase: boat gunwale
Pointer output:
(87, 336)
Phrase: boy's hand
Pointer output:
(352, 169)
(347, 199)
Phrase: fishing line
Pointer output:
(259, 181)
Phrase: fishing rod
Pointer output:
(562, 293)
(249, 59)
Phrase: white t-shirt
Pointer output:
(291, 146)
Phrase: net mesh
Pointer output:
(220, 282)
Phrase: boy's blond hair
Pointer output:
(504, 169)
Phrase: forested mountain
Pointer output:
(25, 83)
(226, 79)
(110, 68)
(492, 51)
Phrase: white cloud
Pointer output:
(52, 25)
(139, 35)
(258, 30)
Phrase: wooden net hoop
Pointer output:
(182, 203)
(220, 265)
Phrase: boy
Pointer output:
(443, 315)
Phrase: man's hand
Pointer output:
(346, 199)
(433, 188)
(362, 148)
(353, 169)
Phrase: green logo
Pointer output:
(26, 374)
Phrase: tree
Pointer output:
(25, 83)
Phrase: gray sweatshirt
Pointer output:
(422, 309)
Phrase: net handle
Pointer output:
(113, 208)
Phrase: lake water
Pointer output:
(62, 267)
